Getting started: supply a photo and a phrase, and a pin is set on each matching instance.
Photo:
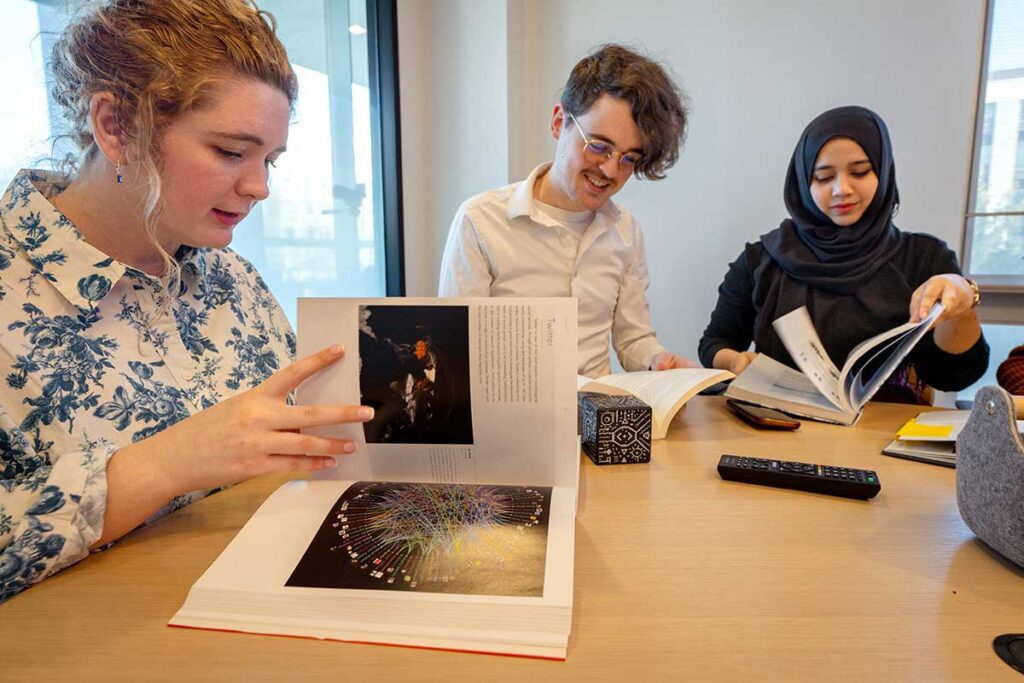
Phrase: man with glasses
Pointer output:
(558, 233)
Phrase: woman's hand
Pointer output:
(957, 329)
(733, 361)
(256, 432)
(742, 360)
(252, 433)
(953, 291)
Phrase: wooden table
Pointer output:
(679, 576)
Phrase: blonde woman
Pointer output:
(142, 362)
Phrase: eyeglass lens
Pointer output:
(601, 152)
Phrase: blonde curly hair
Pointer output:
(159, 59)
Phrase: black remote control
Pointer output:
(834, 481)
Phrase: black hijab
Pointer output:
(847, 277)
(808, 246)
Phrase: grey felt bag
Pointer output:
(990, 474)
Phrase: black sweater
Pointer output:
(755, 284)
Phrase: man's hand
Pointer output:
(670, 361)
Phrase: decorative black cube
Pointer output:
(614, 429)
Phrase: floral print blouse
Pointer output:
(93, 356)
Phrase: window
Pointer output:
(27, 121)
(1001, 338)
(994, 221)
(994, 225)
(322, 230)
(320, 233)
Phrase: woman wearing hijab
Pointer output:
(840, 255)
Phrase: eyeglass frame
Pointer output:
(588, 141)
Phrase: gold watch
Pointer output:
(977, 292)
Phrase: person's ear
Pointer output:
(557, 121)
(106, 131)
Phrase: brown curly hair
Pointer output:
(658, 105)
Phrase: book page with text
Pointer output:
(665, 391)
(596, 386)
(798, 335)
(766, 379)
(860, 380)
(452, 382)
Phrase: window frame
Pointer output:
(1002, 295)
(385, 122)
(385, 125)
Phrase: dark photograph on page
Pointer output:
(414, 373)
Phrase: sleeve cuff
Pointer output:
(641, 356)
(82, 475)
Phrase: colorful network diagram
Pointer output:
(444, 538)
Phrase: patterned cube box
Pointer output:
(615, 429)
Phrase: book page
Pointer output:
(936, 453)
(596, 386)
(860, 380)
(665, 391)
(325, 559)
(798, 335)
(868, 367)
(768, 382)
(452, 382)
(270, 548)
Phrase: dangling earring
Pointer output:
(117, 169)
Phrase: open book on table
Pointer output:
(452, 526)
(820, 390)
(665, 391)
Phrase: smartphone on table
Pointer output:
(762, 418)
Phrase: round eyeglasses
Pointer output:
(599, 151)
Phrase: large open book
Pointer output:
(822, 391)
(452, 526)
(665, 391)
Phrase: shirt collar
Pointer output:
(522, 203)
(53, 246)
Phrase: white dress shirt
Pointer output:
(506, 243)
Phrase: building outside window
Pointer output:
(994, 221)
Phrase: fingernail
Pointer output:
(336, 350)
(349, 447)
(365, 413)
(328, 463)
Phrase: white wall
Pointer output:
(454, 98)
(756, 73)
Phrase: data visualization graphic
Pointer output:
(437, 538)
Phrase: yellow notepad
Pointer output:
(917, 430)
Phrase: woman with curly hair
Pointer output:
(143, 363)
